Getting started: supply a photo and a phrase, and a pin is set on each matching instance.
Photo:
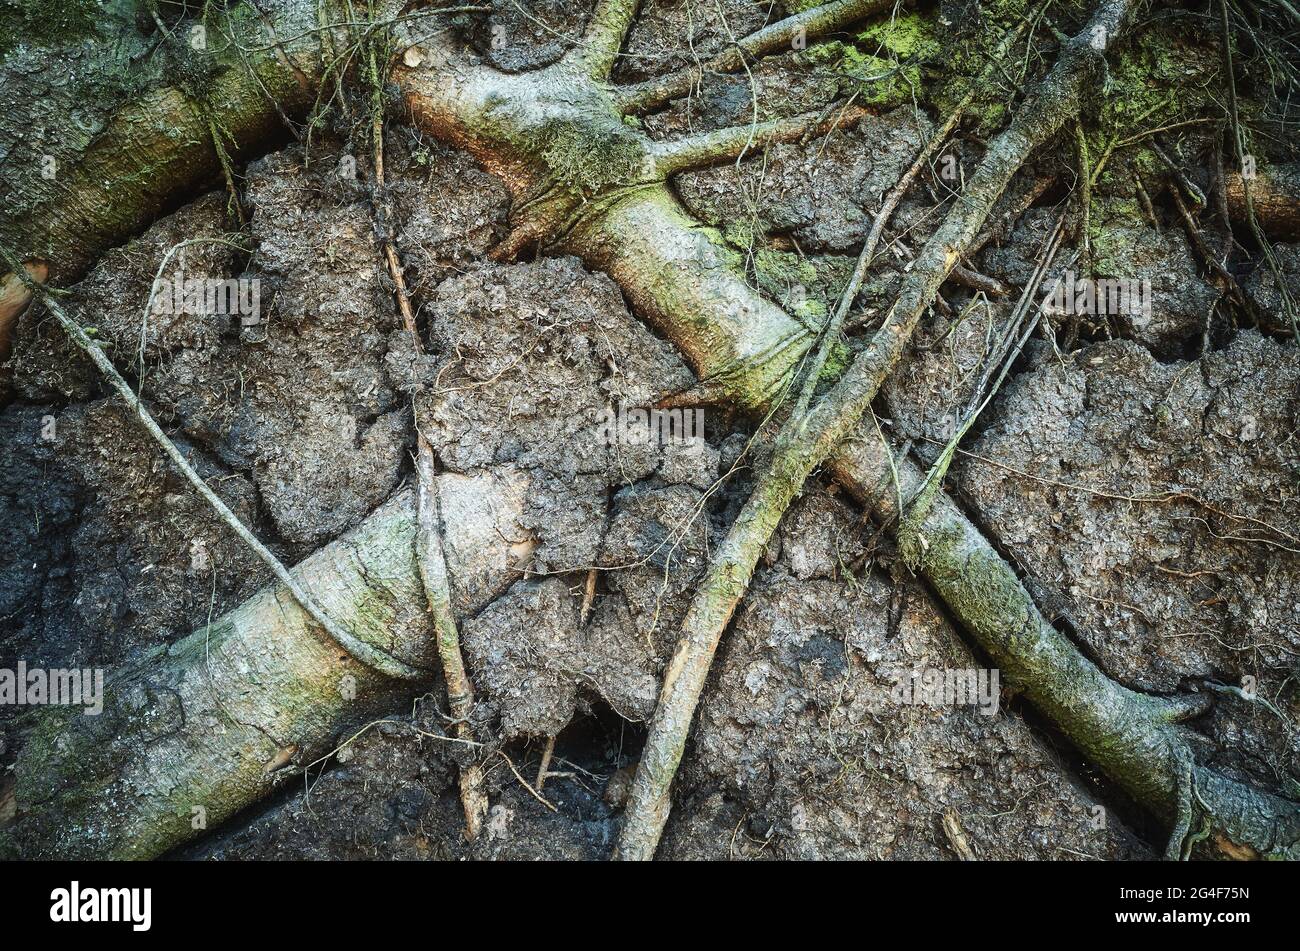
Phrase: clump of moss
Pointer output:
(883, 66)
(1159, 78)
(876, 81)
(790, 280)
(1156, 78)
(1112, 247)
(42, 24)
(910, 36)
(586, 159)
(807, 287)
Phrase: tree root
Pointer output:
(606, 29)
(1274, 195)
(120, 786)
(724, 145)
(808, 438)
(189, 729)
(813, 23)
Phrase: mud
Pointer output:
(1155, 506)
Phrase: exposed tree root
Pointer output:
(723, 145)
(156, 150)
(818, 21)
(808, 438)
(610, 21)
(125, 785)
(1275, 195)
(189, 729)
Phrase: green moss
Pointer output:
(876, 81)
(787, 277)
(910, 36)
(741, 234)
(807, 287)
(1110, 230)
(837, 361)
(585, 158)
(40, 23)
(1158, 77)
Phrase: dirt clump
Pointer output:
(1154, 505)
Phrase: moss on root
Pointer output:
(586, 158)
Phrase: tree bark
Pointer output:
(1275, 193)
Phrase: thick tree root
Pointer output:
(194, 732)
(1275, 195)
(158, 149)
(127, 784)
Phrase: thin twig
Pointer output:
(430, 553)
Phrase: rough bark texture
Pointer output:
(1275, 194)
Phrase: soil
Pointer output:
(1156, 505)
